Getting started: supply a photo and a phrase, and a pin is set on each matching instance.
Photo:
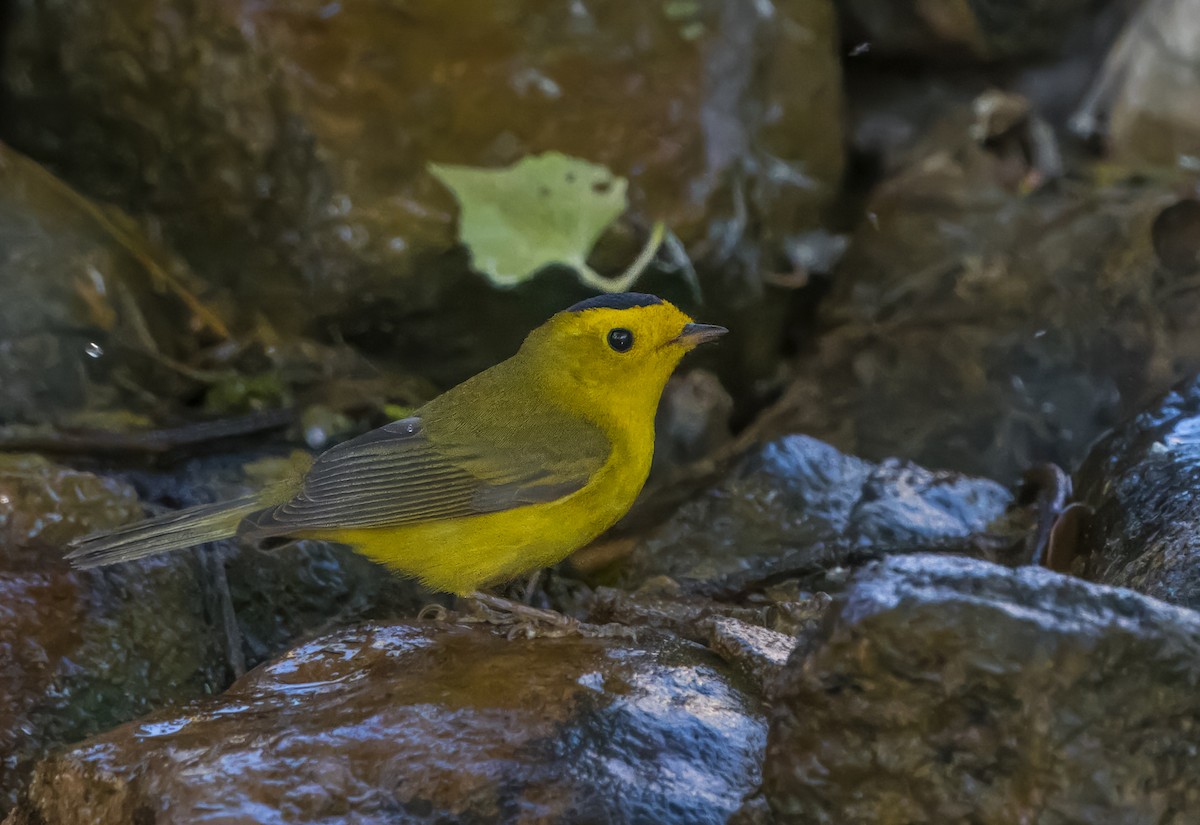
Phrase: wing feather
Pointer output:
(397, 475)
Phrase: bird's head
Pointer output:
(614, 350)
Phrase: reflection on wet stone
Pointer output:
(84, 651)
(1142, 484)
(431, 723)
(799, 502)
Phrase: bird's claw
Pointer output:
(520, 619)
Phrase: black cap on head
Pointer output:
(617, 300)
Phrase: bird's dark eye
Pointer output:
(620, 339)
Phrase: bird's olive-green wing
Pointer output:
(401, 474)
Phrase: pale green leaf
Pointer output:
(545, 209)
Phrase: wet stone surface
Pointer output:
(799, 503)
(1142, 484)
(431, 723)
(948, 689)
(82, 651)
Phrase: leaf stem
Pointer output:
(626, 279)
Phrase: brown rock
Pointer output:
(82, 651)
(284, 146)
(757, 652)
(429, 722)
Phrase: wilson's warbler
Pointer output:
(508, 472)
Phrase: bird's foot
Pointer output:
(520, 619)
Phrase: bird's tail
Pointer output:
(185, 528)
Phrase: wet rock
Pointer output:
(758, 653)
(1141, 482)
(284, 146)
(90, 310)
(799, 504)
(431, 723)
(45, 504)
(1144, 102)
(662, 604)
(983, 29)
(947, 689)
(82, 651)
(982, 325)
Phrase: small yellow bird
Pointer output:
(510, 471)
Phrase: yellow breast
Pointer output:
(465, 554)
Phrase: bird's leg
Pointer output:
(533, 622)
(531, 586)
(214, 560)
(501, 611)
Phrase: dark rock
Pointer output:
(799, 503)
(983, 29)
(951, 690)
(759, 653)
(980, 323)
(82, 651)
(890, 112)
(661, 604)
(1142, 483)
(284, 146)
(1176, 234)
(90, 310)
(431, 723)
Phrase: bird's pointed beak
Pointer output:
(695, 334)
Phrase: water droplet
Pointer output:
(316, 437)
(97, 279)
